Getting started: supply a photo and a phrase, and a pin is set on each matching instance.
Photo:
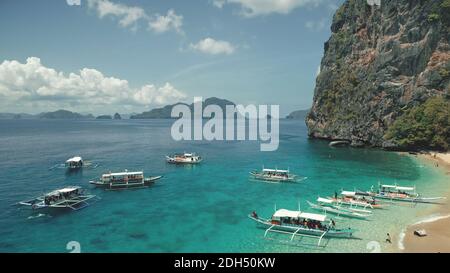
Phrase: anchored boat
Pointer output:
(354, 200)
(124, 180)
(72, 197)
(297, 223)
(399, 193)
(185, 158)
(326, 205)
(74, 163)
(274, 175)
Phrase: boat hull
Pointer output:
(407, 199)
(330, 233)
(357, 204)
(171, 160)
(338, 211)
(272, 179)
(116, 186)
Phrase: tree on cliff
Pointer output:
(423, 126)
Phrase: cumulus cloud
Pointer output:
(32, 82)
(130, 16)
(162, 23)
(213, 47)
(251, 8)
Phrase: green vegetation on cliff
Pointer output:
(423, 126)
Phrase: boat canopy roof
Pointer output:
(74, 159)
(324, 200)
(405, 188)
(63, 190)
(123, 173)
(298, 214)
(185, 154)
(275, 170)
(313, 216)
(389, 186)
(348, 193)
(286, 213)
(399, 188)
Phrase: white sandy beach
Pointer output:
(438, 224)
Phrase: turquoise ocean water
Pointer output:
(199, 208)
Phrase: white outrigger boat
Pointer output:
(124, 180)
(297, 223)
(185, 158)
(399, 193)
(327, 206)
(71, 197)
(354, 200)
(74, 163)
(274, 175)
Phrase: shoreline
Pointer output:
(436, 224)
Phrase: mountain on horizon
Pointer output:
(165, 112)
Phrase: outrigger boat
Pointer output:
(326, 205)
(399, 193)
(355, 200)
(74, 163)
(185, 158)
(71, 197)
(274, 175)
(124, 180)
(297, 223)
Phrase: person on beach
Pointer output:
(388, 239)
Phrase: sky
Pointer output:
(107, 56)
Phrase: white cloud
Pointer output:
(317, 25)
(33, 83)
(251, 8)
(162, 23)
(130, 16)
(214, 47)
(73, 2)
(219, 3)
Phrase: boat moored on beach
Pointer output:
(124, 180)
(274, 175)
(399, 193)
(355, 201)
(327, 206)
(185, 158)
(71, 197)
(298, 223)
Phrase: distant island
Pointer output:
(64, 114)
(16, 116)
(104, 117)
(59, 114)
(165, 112)
(299, 114)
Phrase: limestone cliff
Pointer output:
(379, 62)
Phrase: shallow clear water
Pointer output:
(199, 208)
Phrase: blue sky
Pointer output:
(104, 56)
